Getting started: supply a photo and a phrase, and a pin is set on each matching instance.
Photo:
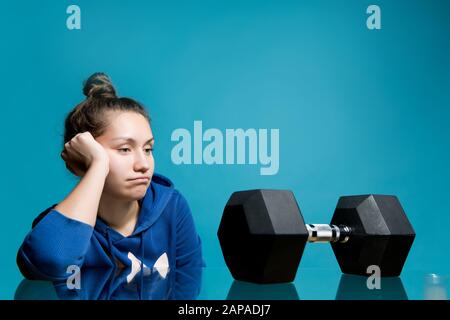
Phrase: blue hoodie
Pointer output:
(107, 284)
(164, 237)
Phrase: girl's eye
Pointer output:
(148, 150)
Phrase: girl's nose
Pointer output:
(141, 162)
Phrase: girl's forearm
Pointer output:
(82, 202)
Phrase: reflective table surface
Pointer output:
(217, 283)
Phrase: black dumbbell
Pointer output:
(262, 235)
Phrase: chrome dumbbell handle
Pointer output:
(328, 233)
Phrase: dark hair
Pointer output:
(89, 115)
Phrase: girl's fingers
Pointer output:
(73, 161)
(75, 168)
(73, 154)
(69, 167)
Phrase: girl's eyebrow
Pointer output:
(129, 139)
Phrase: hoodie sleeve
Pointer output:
(189, 244)
(54, 243)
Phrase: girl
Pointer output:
(121, 213)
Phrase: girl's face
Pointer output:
(128, 140)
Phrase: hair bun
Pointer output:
(99, 85)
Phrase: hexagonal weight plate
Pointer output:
(381, 234)
(262, 236)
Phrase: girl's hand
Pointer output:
(82, 151)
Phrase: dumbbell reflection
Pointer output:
(352, 287)
(241, 290)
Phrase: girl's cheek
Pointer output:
(114, 164)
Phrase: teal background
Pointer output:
(359, 111)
